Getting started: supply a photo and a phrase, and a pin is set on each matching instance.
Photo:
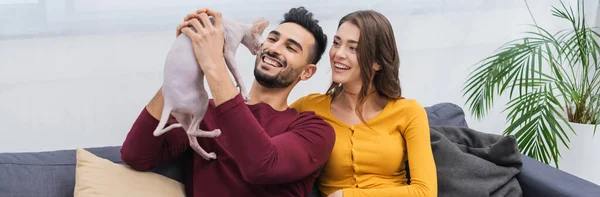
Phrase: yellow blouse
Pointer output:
(367, 162)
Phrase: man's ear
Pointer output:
(308, 72)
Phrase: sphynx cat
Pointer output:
(185, 97)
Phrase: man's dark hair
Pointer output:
(304, 18)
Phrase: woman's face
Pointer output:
(343, 55)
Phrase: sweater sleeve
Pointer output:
(293, 155)
(423, 175)
(141, 150)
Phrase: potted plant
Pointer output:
(553, 83)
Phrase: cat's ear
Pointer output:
(259, 26)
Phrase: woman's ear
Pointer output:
(376, 67)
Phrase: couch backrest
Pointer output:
(48, 174)
(52, 173)
(446, 114)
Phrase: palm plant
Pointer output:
(546, 76)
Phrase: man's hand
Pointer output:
(186, 20)
(208, 40)
(208, 43)
(338, 193)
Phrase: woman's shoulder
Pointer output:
(408, 112)
(404, 109)
(311, 102)
(315, 97)
(406, 104)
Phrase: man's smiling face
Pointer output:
(286, 52)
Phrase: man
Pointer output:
(265, 148)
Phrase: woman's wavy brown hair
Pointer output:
(376, 44)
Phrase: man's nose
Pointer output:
(275, 47)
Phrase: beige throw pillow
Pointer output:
(99, 177)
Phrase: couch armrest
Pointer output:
(538, 179)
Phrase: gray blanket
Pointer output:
(472, 163)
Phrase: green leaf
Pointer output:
(541, 72)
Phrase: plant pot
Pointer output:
(582, 159)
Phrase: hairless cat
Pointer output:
(185, 97)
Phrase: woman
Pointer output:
(377, 130)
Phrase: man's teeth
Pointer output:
(271, 62)
(340, 66)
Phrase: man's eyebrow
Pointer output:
(350, 41)
(275, 32)
(294, 42)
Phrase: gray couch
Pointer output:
(52, 174)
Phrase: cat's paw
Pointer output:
(246, 97)
(210, 156)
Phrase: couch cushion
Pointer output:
(52, 173)
(446, 114)
(100, 177)
(473, 163)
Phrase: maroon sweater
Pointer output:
(261, 151)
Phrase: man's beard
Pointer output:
(283, 79)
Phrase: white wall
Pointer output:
(78, 74)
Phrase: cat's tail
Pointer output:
(163, 121)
